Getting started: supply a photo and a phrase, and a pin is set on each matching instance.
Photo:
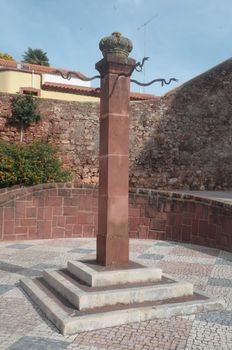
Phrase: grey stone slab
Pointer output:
(201, 249)
(19, 246)
(7, 267)
(37, 343)
(82, 251)
(220, 261)
(166, 244)
(223, 318)
(151, 256)
(31, 273)
(44, 266)
(221, 282)
(225, 255)
(5, 288)
(4, 266)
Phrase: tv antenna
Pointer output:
(144, 27)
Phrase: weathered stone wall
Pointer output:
(59, 210)
(73, 126)
(180, 141)
(186, 135)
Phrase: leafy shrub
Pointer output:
(8, 174)
(24, 110)
(30, 164)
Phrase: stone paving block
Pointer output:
(84, 347)
(36, 343)
(216, 317)
(91, 244)
(165, 244)
(5, 253)
(137, 248)
(14, 292)
(151, 256)
(5, 288)
(150, 335)
(155, 247)
(159, 251)
(185, 268)
(222, 271)
(8, 267)
(19, 246)
(194, 250)
(221, 282)
(190, 259)
(17, 317)
(19, 269)
(225, 255)
(67, 243)
(44, 266)
(28, 257)
(221, 261)
(205, 337)
(200, 283)
(81, 251)
(31, 273)
(221, 293)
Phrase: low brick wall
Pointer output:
(64, 210)
(48, 211)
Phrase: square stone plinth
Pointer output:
(96, 275)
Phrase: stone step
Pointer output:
(83, 299)
(70, 321)
(89, 273)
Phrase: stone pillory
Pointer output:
(115, 69)
(143, 294)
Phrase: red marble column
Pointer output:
(112, 238)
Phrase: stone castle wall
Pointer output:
(180, 141)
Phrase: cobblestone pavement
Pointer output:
(23, 326)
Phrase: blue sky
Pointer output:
(183, 39)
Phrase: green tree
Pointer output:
(36, 56)
(7, 57)
(24, 112)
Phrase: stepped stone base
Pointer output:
(86, 296)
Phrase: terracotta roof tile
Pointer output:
(83, 90)
(91, 91)
(33, 67)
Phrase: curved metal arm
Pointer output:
(162, 81)
(69, 75)
(139, 66)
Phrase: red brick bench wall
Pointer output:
(58, 210)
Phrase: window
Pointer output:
(30, 91)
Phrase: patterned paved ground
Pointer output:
(23, 327)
